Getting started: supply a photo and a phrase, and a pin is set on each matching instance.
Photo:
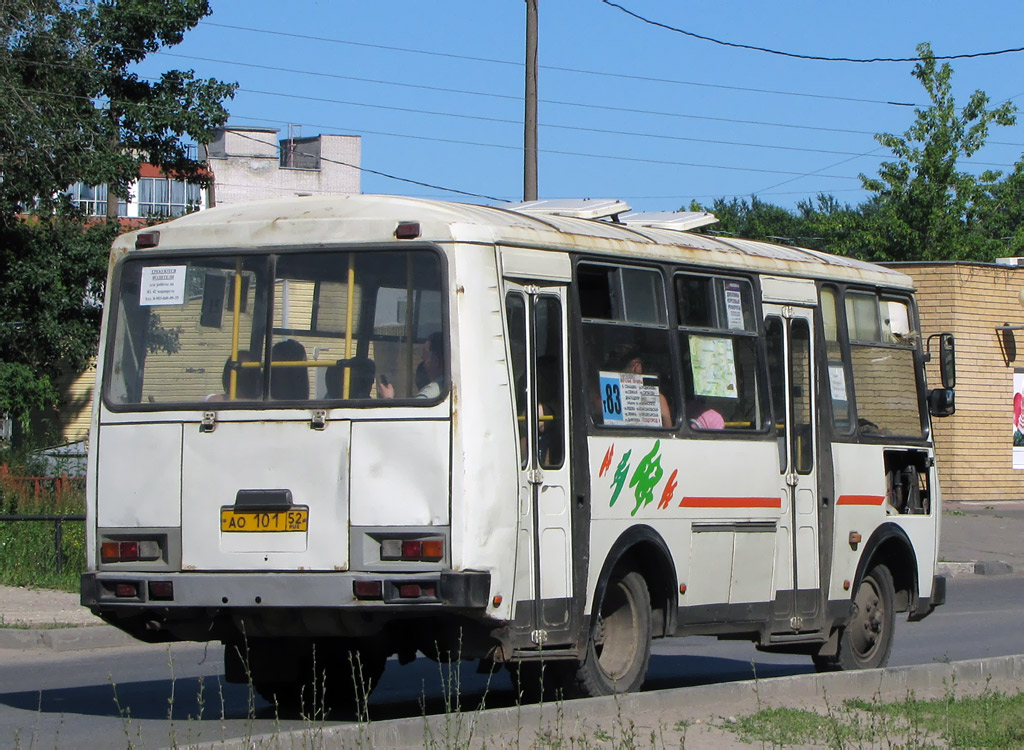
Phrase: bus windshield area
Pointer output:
(224, 331)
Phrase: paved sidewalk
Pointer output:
(978, 538)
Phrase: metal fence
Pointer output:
(58, 530)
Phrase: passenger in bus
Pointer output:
(630, 359)
(433, 365)
(288, 383)
(363, 373)
(705, 417)
(248, 383)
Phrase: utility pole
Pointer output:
(530, 119)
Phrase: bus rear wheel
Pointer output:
(332, 675)
(619, 646)
(866, 641)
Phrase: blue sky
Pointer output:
(435, 90)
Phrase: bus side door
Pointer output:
(537, 342)
(790, 359)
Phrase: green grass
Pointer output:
(28, 555)
(992, 720)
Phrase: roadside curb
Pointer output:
(975, 567)
(666, 707)
(65, 639)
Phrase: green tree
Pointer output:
(73, 110)
(926, 207)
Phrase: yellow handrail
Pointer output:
(349, 304)
(235, 326)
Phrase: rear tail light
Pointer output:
(412, 550)
(161, 591)
(126, 591)
(433, 549)
(417, 590)
(110, 552)
(130, 551)
(368, 589)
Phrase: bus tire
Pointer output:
(619, 646)
(536, 681)
(866, 641)
(334, 675)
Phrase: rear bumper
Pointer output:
(112, 592)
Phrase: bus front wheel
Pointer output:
(619, 646)
(866, 641)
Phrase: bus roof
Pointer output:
(331, 220)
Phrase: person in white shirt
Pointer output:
(433, 366)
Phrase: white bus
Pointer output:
(369, 425)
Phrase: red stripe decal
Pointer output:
(731, 502)
(860, 500)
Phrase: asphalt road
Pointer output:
(157, 696)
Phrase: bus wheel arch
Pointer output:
(885, 583)
(631, 604)
(890, 546)
(643, 549)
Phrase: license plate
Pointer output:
(261, 521)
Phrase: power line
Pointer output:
(577, 128)
(798, 56)
(385, 174)
(554, 68)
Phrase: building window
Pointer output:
(92, 199)
(161, 196)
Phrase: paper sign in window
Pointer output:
(630, 399)
(163, 285)
(713, 366)
(734, 306)
(837, 382)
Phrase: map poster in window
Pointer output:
(713, 366)
(734, 306)
(163, 285)
(630, 399)
(1018, 418)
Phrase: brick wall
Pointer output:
(974, 448)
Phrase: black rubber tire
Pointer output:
(536, 681)
(338, 676)
(866, 640)
(619, 646)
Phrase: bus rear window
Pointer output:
(226, 331)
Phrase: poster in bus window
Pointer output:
(630, 399)
(734, 306)
(1018, 418)
(162, 285)
(713, 367)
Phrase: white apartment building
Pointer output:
(246, 164)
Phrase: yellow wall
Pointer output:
(974, 448)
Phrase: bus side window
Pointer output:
(629, 374)
(776, 347)
(718, 345)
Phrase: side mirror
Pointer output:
(942, 402)
(947, 360)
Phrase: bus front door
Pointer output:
(543, 579)
(790, 357)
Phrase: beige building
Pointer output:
(251, 164)
(974, 301)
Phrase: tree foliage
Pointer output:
(924, 205)
(73, 109)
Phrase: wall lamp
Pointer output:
(1007, 341)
